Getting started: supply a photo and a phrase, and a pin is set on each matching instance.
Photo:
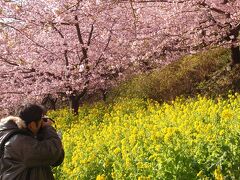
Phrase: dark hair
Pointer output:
(31, 112)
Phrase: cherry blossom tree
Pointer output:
(52, 48)
(67, 47)
(187, 26)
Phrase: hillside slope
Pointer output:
(221, 82)
(204, 73)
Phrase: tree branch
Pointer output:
(90, 35)
(80, 39)
(147, 1)
(106, 46)
(65, 44)
(22, 33)
(8, 62)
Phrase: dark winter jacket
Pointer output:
(25, 156)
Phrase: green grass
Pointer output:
(180, 78)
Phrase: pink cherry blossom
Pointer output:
(70, 48)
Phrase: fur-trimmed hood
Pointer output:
(24, 156)
(8, 126)
(16, 120)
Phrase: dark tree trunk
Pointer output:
(75, 100)
(235, 53)
(104, 94)
(53, 103)
(75, 103)
(49, 102)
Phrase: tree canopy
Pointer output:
(71, 48)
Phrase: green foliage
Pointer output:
(221, 82)
(178, 78)
(141, 139)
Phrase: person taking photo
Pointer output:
(29, 146)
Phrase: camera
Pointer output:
(46, 118)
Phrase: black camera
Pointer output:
(46, 118)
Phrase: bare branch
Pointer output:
(80, 39)
(12, 92)
(90, 35)
(65, 44)
(8, 62)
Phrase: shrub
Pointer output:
(178, 78)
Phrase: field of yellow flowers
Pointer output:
(137, 139)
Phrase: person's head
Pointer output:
(32, 115)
